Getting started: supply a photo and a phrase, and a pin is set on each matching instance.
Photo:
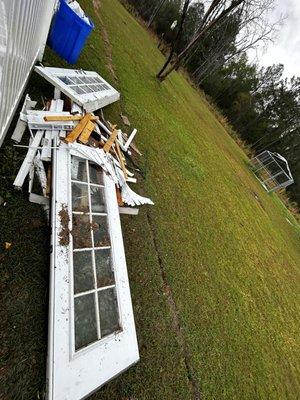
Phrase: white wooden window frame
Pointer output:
(89, 101)
(74, 375)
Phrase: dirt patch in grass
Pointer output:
(105, 37)
(176, 325)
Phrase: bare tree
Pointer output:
(253, 28)
(177, 37)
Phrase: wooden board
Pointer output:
(110, 141)
(86, 133)
(78, 129)
(68, 118)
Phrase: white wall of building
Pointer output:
(24, 26)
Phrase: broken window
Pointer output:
(86, 88)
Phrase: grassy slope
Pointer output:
(231, 260)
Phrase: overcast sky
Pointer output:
(286, 48)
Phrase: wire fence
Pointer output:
(272, 170)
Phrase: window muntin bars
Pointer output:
(272, 170)
(79, 363)
(86, 88)
(96, 312)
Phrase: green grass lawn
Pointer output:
(215, 240)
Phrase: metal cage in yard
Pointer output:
(272, 170)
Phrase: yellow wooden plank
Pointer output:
(110, 141)
(78, 129)
(86, 133)
(76, 117)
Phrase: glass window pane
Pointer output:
(76, 80)
(65, 79)
(96, 174)
(100, 231)
(80, 197)
(85, 321)
(78, 89)
(78, 169)
(105, 275)
(81, 232)
(97, 80)
(85, 88)
(97, 199)
(83, 271)
(108, 308)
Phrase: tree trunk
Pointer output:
(173, 48)
(176, 64)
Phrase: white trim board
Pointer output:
(21, 124)
(86, 88)
(28, 160)
(73, 375)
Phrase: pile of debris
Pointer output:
(81, 162)
(88, 134)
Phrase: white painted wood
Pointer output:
(59, 105)
(28, 160)
(132, 180)
(56, 106)
(43, 113)
(62, 134)
(128, 210)
(19, 131)
(47, 144)
(30, 179)
(38, 147)
(57, 93)
(74, 375)
(38, 199)
(31, 173)
(94, 94)
(130, 139)
(21, 124)
(35, 120)
(76, 109)
(24, 31)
